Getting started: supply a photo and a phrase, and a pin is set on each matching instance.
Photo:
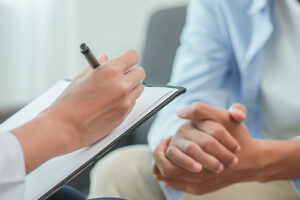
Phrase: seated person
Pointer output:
(231, 51)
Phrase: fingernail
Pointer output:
(220, 168)
(182, 112)
(237, 149)
(197, 167)
(237, 111)
(234, 162)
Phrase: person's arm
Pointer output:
(201, 65)
(281, 160)
(91, 107)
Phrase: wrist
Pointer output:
(43, 138)
(60, 131)
(274, 159)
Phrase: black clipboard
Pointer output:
(99, 155)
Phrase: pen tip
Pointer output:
(84, 48)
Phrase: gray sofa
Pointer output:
(162, 41)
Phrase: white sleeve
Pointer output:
(12, 168)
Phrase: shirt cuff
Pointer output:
(12, 165)
(171, 194)
(296, 184)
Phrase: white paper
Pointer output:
(47, 176)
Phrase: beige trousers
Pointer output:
(126, 173)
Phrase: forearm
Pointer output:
(42, 139)
(281, 160)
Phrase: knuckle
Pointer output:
(219, 130)
(139, 74)
(191, 148)
(197, 107)
(126, 104)
(183, 129)
(123, 88)
(112, 72)
(180, 131)
(171, 152)
(208, 144)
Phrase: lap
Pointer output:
(275, 190)
(126, 173)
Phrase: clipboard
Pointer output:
(37, 185)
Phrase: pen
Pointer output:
(92, 60)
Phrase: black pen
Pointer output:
(92, 60)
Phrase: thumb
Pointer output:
(238, 112)
(103, 59)
(86, 71)
(202, 111)
(165, 143)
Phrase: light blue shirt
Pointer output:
(219, 62)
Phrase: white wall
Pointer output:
(40, 39)
(121, 23)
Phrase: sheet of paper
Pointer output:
(44, 178)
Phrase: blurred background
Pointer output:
(40, 39)
(40, 45)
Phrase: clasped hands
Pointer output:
(213, 149)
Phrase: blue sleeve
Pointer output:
(202, 65)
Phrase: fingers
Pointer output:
(103, 59)
(130, 101)
(166, 168)
(128, 109)
(125, 61)
(219, 133)
(178, 158)
(135, 77)
(195, 151)
(201, 111)
(155, 172)
(86, 71)
(136, 93)
(238, 112)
